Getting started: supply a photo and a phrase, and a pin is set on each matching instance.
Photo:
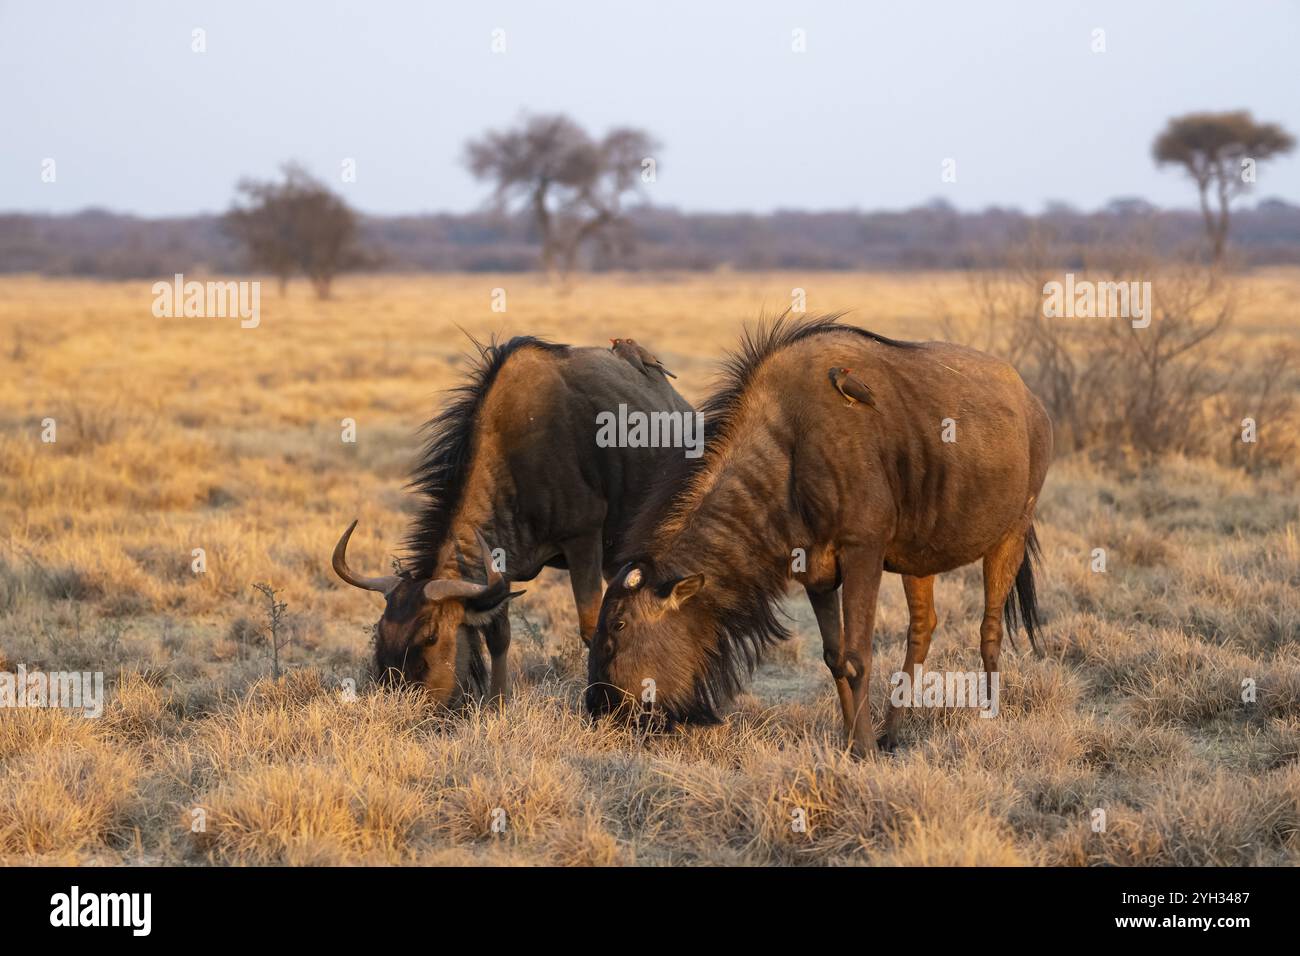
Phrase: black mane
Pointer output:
(736, 373)
(448, 448)
(759, 344)
(745, 627)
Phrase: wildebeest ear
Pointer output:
(683, 589)
(481, 609)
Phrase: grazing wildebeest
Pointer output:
(512, 466)
(788, 465)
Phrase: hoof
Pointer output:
(860, 752)
(886, 744)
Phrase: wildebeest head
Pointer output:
(417, 638)
(653, 648)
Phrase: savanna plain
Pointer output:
(1161, 724)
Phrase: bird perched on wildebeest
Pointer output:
(853, 389)
(637, 356)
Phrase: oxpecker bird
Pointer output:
(853, 389)
(636, 356)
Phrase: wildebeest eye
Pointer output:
(619, 625)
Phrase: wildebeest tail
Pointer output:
(1022, 605)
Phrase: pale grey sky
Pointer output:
(137, 122)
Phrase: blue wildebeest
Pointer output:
(940, 465)
(512, 467)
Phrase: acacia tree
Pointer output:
(295, 225)
(571, 184)
(1214, 149)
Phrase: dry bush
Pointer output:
(1180, 385)
(25, 731)
(584, 841)
(1266, 393)
(140, 708)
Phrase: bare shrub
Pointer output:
(1267, 396)
(277, 632)
(1174, 385)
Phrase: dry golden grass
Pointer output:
(176, 434)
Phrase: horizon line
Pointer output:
(1045, 208)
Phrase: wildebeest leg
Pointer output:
(584, 558)
(920, 628)
(497, 636)
(826, 605)
(861, 568)
(1000, 567)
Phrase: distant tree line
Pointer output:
(102, 244)
(563, 199)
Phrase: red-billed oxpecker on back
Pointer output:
(512, 479)
(638, 356)
(944, 469)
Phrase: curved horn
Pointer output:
(493, 576)
(382, 584)
(446, 588)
